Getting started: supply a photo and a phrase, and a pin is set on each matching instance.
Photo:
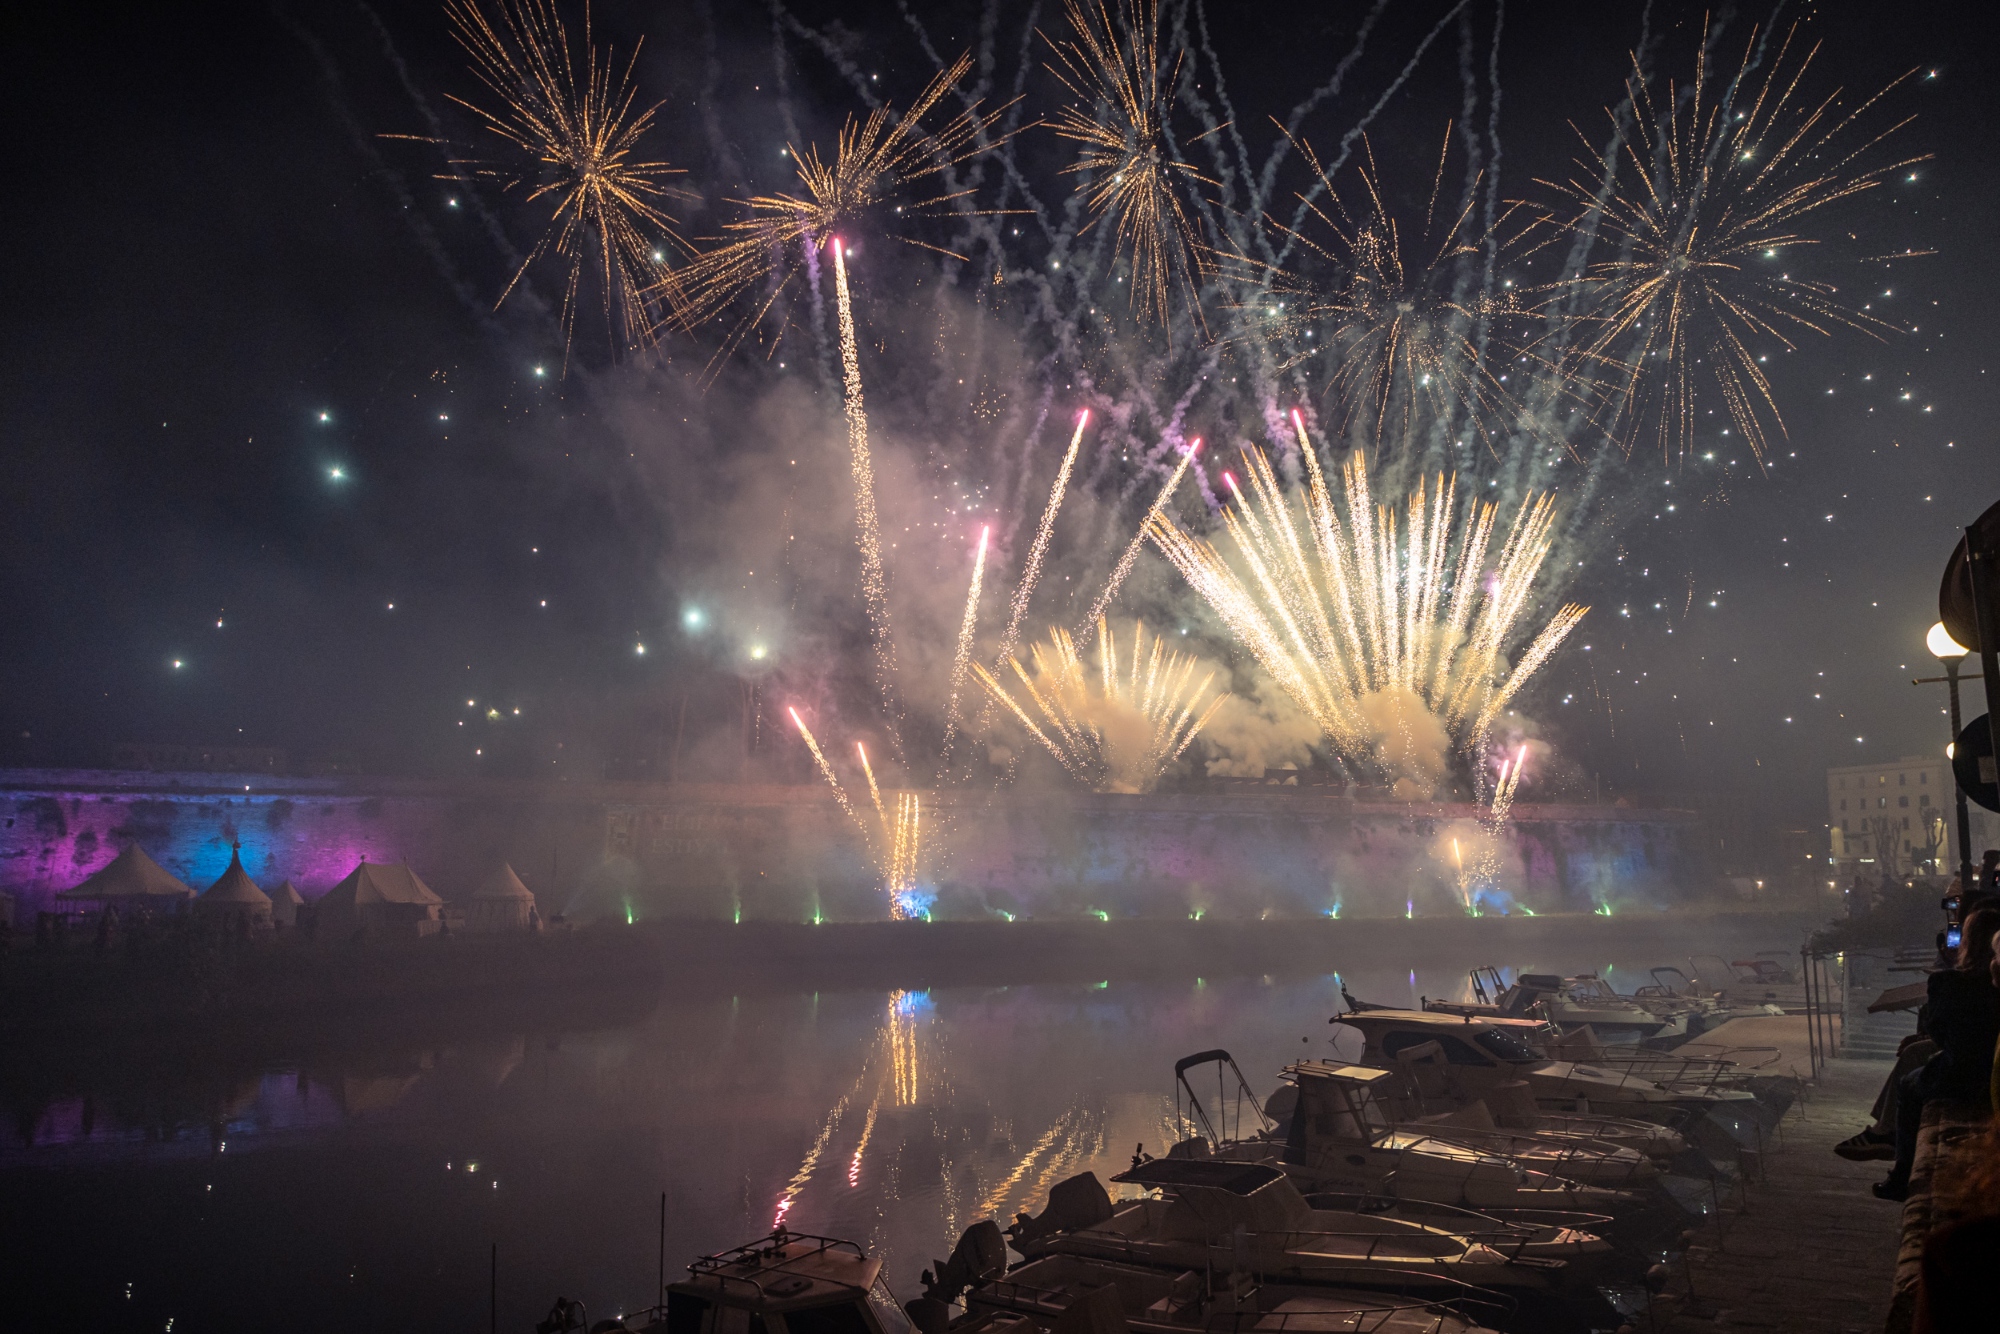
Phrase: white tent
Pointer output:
(378, 897)
(502, 903)
(234, 893)
(132, 878)
(285, 901)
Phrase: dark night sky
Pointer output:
(209, 249)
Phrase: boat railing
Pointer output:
(768, 1255)
(1566, 1151)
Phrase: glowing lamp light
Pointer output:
(1942, 646)
(692, 618)
(757, 653)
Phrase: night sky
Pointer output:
(278, 473)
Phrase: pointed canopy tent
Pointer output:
(285, 901)
(131, 878)
(377, 896)
(501, 903)
(235, 892)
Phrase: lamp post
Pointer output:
(1951, 653)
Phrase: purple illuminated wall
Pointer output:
(789, 853)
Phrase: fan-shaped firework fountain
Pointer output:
(1115, 729)
(1390, 631)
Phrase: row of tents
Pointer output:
(376, 896)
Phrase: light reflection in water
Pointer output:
(936, 1109)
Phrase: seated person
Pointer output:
(1964, 1021)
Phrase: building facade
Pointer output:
(1897, 818)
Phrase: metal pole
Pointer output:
(1958, 792)
(493, 1291)
(663, 1248)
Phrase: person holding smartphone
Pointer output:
(1963, 1018)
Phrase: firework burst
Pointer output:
(1117, 728)
(1402, 332)
(572, 126)
(1713, 187)
(887, 173)
(1372, 615)
(1111, 67)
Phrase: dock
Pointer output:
(1799, 1244)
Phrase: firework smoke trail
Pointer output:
(962, 657)
(1032, 571)
(573, 137)
(868, 528)
(1362, 606)
(1089, 730)
(1720, 196)
(826, 772)
(1123, 568)
(1400, 339)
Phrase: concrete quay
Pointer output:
(1801, 1245)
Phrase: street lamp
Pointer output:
(1951, 653)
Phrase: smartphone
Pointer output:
(1952, 935)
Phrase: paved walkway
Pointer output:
(1803, 1247)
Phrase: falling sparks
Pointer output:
(1031, 572)
(894, 841)
(1120, 571)
(868, 529)
(1118, 728)
(962, 656)
(1722, 185)
(1503, 790)
(573, 137)
(826, 770)
(1371, 606)
(1119, 119)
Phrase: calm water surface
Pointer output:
(364, 1191)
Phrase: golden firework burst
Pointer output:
(1111, 68)
(1713, 192)
(573, 128)
(887, 173)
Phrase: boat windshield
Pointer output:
(1499, 1042)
